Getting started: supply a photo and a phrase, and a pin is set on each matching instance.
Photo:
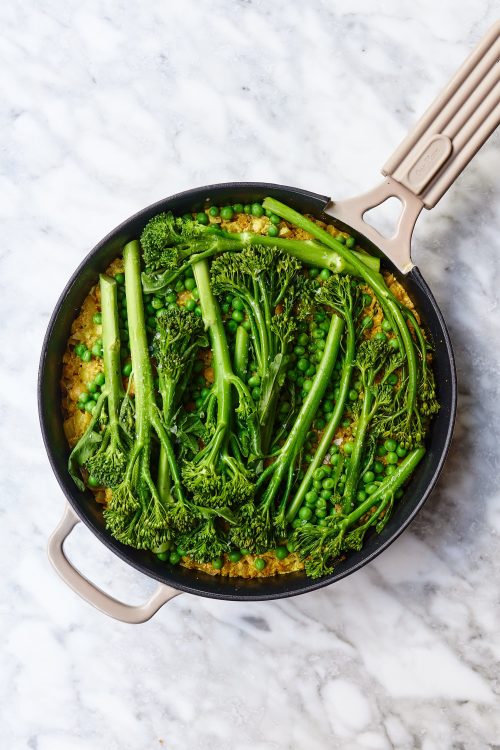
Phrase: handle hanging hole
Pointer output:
(385, 217)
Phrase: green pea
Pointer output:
(380, 336)
(238, 316)
(367, 300)
(190, 284)
(313, 272)
(378, 467)
(190, 305)
(217, 563)
(386, 326)
(350, 242)
(247, 208)
(353, 395)
(371, 488)
(319, 473)
(281, 552)
(348, 447)
(234, 556)
(232, 326)
(83, 397)
(86, 356)
(325, 494)
(120, 278)
(290, 546)
(259, 562)
(238, 208)
(305, 513)
(390, 469)
(174, 557)
(393, 378)
(311, 496)
(361, 496)
(340, 238)
(127, 369)
(401, 451)
(346, 423)
(202, 218)
(272, 230)
(247, 325)
(156, 303)
(381, 451)
(100, 378)
(226, 213)
(213, 211)
(97, 318)
(303, 364)
(367, 322)
(320, 424)
(392, 457)
(274, 219)
(311, 370)
(79, 349)
(255, 394)
(307, 385)
(92, 481)
(171, 297)
(89, 406)
(303, 339)
(334, 448)
(368, 477)
(257, 210)
(325, 274)
(390, 445)
(195, 294)
(92, 387)
(253, 381)
(179, 286)
(328, 484)
(394, 343)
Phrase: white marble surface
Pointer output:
(108, 106)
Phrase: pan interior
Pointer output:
(52, 424)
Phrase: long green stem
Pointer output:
(298, 432)
(357, 451)
(220, 350)
(333, 423)
(390, 485)
(375, 280)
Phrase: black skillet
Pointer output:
(418, 174)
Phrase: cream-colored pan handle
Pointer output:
(434, 153)
(91, 593)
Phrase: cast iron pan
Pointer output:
(418, 174)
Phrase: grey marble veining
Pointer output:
(106, 107)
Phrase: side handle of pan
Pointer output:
(436, 151)
(89, 591)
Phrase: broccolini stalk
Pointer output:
(104, 452)
(107, 466)
(170, 245)
(320, 546)
(216, 475)
(179, 336)
(259, 526)
(336, 292)
(376, 281)
(270, 287)
(136, 513)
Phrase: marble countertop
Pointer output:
(108, 106)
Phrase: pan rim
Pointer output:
(307, 585)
